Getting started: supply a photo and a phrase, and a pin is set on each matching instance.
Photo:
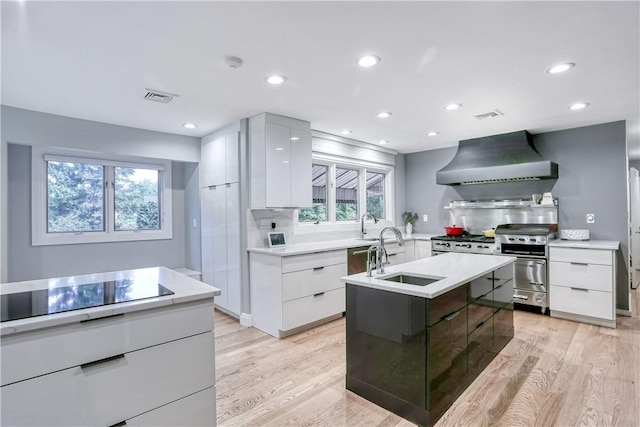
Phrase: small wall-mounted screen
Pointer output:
(276, 240)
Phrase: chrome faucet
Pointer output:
(364, 216)
(383, 251)
(379, 251)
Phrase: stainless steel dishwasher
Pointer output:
(357, 259)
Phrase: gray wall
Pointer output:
(28, 262)
(592, 179)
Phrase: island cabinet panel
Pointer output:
(415, 355)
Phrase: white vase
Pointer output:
(409, 229)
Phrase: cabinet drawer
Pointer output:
(309, 309)
(316, 259)
(34, 353)
(588, 276)
(192, 411)
(590, 256)
(480, 310)
(304, 283)
(116, 390)
(480, 346)
(584, 302)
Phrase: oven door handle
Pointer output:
(522, 297)
(534, 283)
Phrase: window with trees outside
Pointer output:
(82, 200)
(341, 193)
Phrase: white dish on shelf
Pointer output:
(574, 234)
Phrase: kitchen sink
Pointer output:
(411, 279)
(370, 239)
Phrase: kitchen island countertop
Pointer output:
(185, 289)
(455, 269)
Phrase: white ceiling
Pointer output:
(93, 60)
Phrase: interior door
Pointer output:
(634, 191)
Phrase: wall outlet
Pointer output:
(425, 218)
(591, 218)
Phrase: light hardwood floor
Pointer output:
(553, 373)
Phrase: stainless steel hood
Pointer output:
(494, 159)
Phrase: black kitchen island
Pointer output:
(414, 349)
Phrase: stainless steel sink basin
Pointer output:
(411, 279)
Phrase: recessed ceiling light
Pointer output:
(384, 115)
(433, 133)
(578, 106)
(368, 60)
(560, 68)
(451, 107)
(346, 132)
(279, 148)
(383, 142)
(189, 125)
(276, 79)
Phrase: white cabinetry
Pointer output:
(148, 367)
(422, 249)
(219, 159)
(289, 293)
(399, 254)
(582, 285)
(221, 243)
(220, 217)
(280, 162)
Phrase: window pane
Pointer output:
(319, 194)
(75, 197)
(375, 194)
(346, 194)
(137, 204)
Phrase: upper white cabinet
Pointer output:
(219, 159)
(280, 162)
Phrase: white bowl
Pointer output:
(571, 234)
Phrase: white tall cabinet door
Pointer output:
(634, 192)
(278, 165)
(300, 169)
(219, 259)
(231, 156)
(233, 247)
(211, 156)
(207, 196)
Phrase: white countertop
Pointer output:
(456, 270)
(328, 245)
(586, 244)
(185, 289)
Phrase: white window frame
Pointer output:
(39, 180)
(332, 224)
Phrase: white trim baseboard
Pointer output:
(245, 319)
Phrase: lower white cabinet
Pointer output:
(422, 249)
(582, 285)
(149, 367)
(290, 292)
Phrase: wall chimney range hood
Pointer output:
(509, 157)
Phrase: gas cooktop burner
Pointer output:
(465, 238)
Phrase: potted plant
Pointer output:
(409, 218)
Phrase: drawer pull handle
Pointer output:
(480, 325)
(580, 263)
(211, 187)
(317, 268)
(101, 318)
(98, 362)
(451, 316)
(120, 424)
(498, 287)
(579, 289)
(493, 279)
(522, 297)
(318, 294)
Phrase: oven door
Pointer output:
(531, 274)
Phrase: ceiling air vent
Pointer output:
(490, 115)
(158, 96)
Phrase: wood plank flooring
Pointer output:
(553, 373)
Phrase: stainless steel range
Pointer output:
(530, 244)
(469, 243)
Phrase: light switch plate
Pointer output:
(425, 218)
(265, 223)
(591, 218)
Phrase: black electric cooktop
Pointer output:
(22, 305)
